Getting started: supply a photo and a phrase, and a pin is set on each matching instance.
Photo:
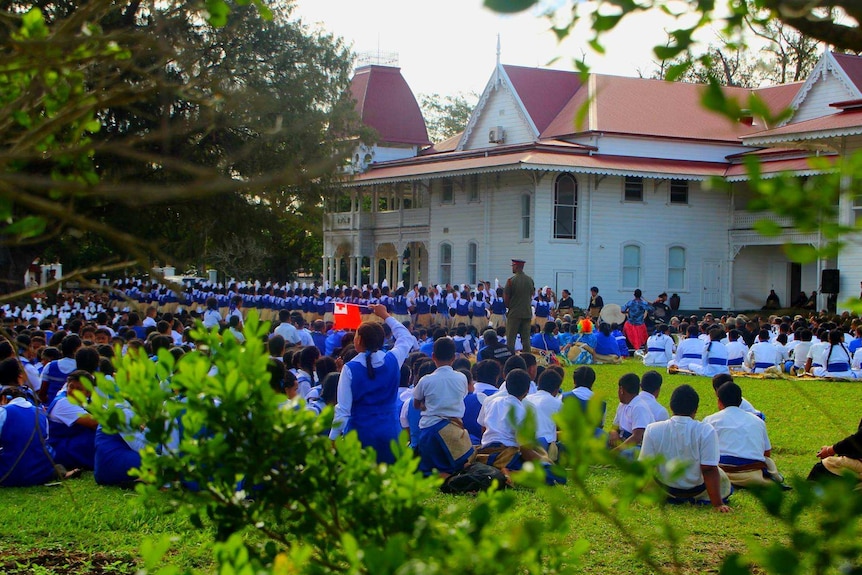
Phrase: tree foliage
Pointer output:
(114, 107)
(446, 116)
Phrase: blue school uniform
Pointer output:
(543, 309)
(74, 445)
(114, 459)
(374, 412)
(56, 377)
(23, 458)
(471, 414)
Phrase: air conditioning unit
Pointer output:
(496, 135)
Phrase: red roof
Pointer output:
(543, 92)
(852, 66)
(385, 103)
(738, 171)
(650, 108)
(849, 121)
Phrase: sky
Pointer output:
(449, 46)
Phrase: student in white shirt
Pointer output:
(743, 443)
(692, 445)
(650, 389)
(632, 417)
(444, 445)
(544, 404)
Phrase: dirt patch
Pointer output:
(65, 562)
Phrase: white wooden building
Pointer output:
(608, 182)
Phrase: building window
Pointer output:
(633, 190)
(676, 268)
(525, 216)
(631, 266)
(472, 262)
(448, 193)
(473, 188)
(565, 207)
(445, 263)
(678, 192)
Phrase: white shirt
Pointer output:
(19, 402)
(494, 417)
(66, 412)
(740, 434)
(443, 392)
(211, 318)
(635, 414)
(689, 346)
(660, 358)
(658, 411)
(544, 405)
(735, 350)
(533, 388)
(685, 443)
(404, 342)
(286, 330)
(306, 339)
(762, 352)
(800, 353)
(484, 388)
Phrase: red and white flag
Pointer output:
(346, 316)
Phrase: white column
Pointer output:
(351, 272)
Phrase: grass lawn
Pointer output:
(79, 527)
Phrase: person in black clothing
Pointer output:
(566, 305)
(841, 456)
(772, 301)
(494, 348)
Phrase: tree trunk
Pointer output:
(14, 261)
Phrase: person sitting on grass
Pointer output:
(689, 352)
(500, 416)
(714, 355)
(659, 347)
(584, 377)
(544, 404)
(632, 417)
(722, 378)
(650, 388)
(839, 458)
(71, 430)
(681, 441)
(607, 350)
(117, 454)
(745, 450)
(25, 460)
(444, 445)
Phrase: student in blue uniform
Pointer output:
(72, 431)
(55, 373)
(118, 453)
(368, 387)
(25, 458)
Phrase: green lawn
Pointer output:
(79, 527)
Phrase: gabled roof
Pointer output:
(385, 103)
(852, 66)
(651, 108)
(846, 68)
(542, 92)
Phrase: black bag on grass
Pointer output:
(473, 478)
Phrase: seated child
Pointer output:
(118, 453)
(722, 378)
(584, 377)
(683, 441)
(632, 417)
(72, 431)
(23, 430)
(500, 416)
(744, 446)
(544, 404)
(659, 347)
(444, 445)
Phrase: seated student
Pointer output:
(410, 414)
(486, 374)
(659, 347)
(819, 343)
(836, 359)
(118, 453)
(584, 377)
(722, 378)
(693, 445)
(546, 341)
(839, 458)
(583, 348)
(500, 416)
(799, 353)
(632, 417)
(689, 351)
(762, 354)
(607, 350)
(622, 342)
(71, 430)
(743, 443)
(444, 445)
(463, 344)
(544, 404)
(650, 388)
(736, 349)
(714, 356)
(25, 460)
(493, 348)
(328, 394)
(520, 362)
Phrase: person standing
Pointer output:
(596, 304)
(635, 326)
(518, 295)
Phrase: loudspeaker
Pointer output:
(829, 281)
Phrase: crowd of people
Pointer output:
(458, 368)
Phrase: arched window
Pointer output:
(631, 266)
(526, 211)
(472, 262)
(445, 263)
(565, 207)
(676, 268)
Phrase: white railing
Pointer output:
(417, 217)
(746, 220)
